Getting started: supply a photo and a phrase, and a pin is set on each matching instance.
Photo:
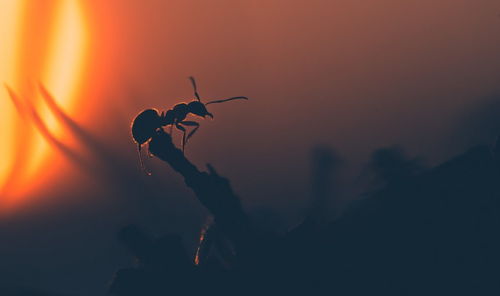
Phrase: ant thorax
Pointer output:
(168, 118)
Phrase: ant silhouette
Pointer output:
(149, 121)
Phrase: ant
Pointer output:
(149, 121)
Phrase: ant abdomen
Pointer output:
(144, 125)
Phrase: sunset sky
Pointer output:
(353, 74)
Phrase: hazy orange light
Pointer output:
(58, 64)
(62, 70)
(10, 12)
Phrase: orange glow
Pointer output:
(62, 70)
(45, 44)
(9, 32)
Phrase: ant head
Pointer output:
(144, 125)
(198, 108)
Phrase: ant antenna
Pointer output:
(143, 167)
(193, 82)
(226, 100)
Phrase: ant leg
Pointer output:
(143, 166)
(191, 123)
(181, 128)
(171, 129)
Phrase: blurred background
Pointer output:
(355, 75)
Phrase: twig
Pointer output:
(212, 190)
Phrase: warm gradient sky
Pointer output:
(353, 74)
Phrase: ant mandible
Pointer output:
(147, 123)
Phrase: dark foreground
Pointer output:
(426, 232)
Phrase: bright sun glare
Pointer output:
(57, 64)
